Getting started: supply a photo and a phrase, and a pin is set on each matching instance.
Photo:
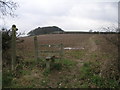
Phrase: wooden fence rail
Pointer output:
(48, 48)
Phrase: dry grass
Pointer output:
(97, 49)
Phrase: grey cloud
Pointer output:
(97, 11)
(67, 14)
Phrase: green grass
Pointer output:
(107, 56)
(26, 72)
(66, 62)
(97, 42)
(7, 78)
(1, 79)
(59, 65)
(77, 54)
(98, 55)
(44, 82)
(84, 85)
(88, 74)
(94, 55)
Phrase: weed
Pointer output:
(1, 78)
(25, 72)
(97, 80)
(77, 54)
(86, 71)
(41, 63)
(88, 74)
(44, 82)
(7, 78)
(97, 42)
(57, 66)
(85, 85)
(46, 72)
(30, 86)
(94, 56)
(67, 62)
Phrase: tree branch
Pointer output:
(7, 8)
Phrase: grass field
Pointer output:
(80, 68)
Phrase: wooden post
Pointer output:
(61, 52)
(48, 65)
(13, 46)
(48, 62)
(36, 48)
(119, 52)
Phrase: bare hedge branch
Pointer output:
(7, 7)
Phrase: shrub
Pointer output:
(6, 45)
(7, 78)
(6, 40)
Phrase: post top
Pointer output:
(13, 26)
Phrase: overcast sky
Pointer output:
(66, 14)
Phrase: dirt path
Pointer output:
(92, 44)
(90, 47)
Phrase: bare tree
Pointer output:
(7, 7)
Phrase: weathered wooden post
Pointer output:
(13, 46)
(48, 62)
(119, 49)
(36, 48)
(61, 51)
